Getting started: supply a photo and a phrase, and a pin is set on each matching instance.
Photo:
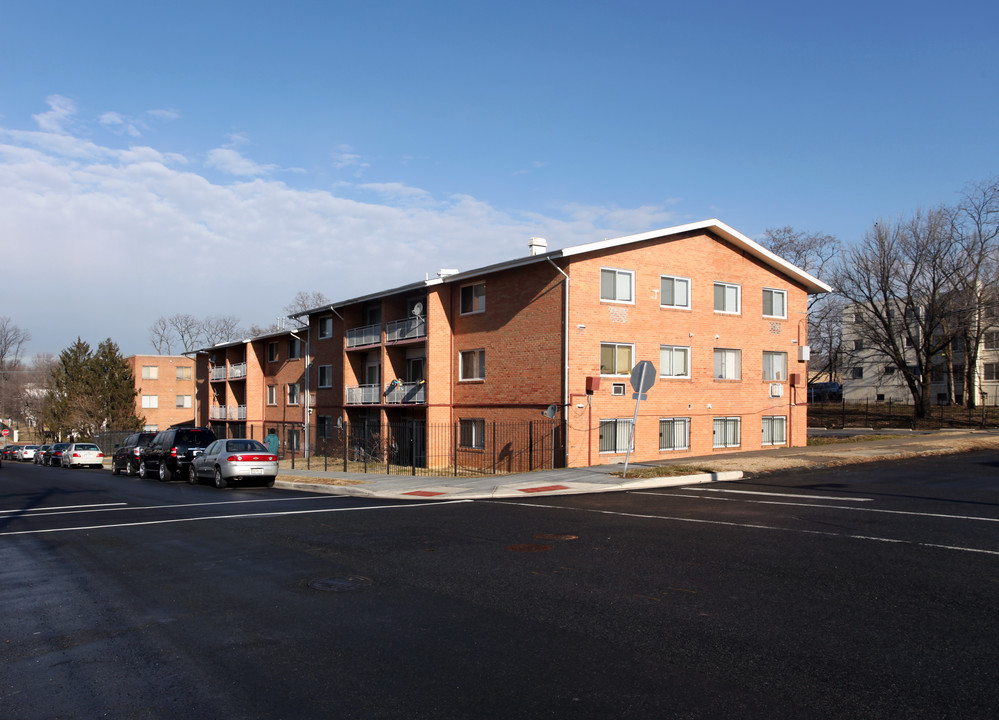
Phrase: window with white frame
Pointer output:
(727, 298)
(992, 340)
(326, 327)
(616, 358)
(472, 365)
(150, 402)
(728, 364)
(774, 303)
(774, 430)
(726, 432)
(473, 298)
(294, 393)
(272, 394)
(184, 401)
(472, 433)
(272, 351)
(294, 348)
(674, 433)
(617, 285)
(774, 366)
(991, 372)
(674, 292)
(325, 376)
(150, 372)
(674, 361)
(184, 372)
(616, 435)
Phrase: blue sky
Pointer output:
(217, 157)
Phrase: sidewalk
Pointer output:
(606, 478)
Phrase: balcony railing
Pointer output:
(217, 412)
(217, 373)
(237, 371)
(237, 412)
(367, 335)
(414, 392)
(408, 329)
(364, 395)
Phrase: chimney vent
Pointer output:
(537, 246)
(447, 272)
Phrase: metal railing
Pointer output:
(364, 395)
(237, 412)
(367, 335)
(408, 329)
(217, 412)
(413, 392)
(217, 373)
(237, 371)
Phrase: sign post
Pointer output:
(643, 377)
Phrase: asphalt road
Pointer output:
(866, 592)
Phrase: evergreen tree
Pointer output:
(116, 388)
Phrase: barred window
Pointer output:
(775, 430)
(472, 433)
(674, 433)
(616, 435)
(726, 432)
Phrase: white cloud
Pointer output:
(234, 163)
(61, 110)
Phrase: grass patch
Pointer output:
(664, 471)
(852, 439)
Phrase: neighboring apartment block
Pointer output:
(723, 320)
(166, 389)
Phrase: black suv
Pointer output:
(171, 451)
(128, 455)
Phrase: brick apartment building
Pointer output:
(439, 371)
(165, 384)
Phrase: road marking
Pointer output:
(825, 507)
(230, 517)
(62, 507)
(41, 512)
(757, 492)
(750, 526)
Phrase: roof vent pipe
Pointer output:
(537, 246)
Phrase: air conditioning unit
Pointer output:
(617, 388)
(776, 390)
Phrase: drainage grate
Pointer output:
(341, 584)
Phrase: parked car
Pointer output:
(229, 461)
(26, 453)
(82, 455)
(171, 451)
(55, 454)
(825, 392)
(9, 452)
(128, 455)
(40, 453)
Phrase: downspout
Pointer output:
(565, 370)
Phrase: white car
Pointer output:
(82, 454)
(26, 453)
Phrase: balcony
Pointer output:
(364, 395)
(237, 371)
(413, 392)
(217, 412)
(408, 329)
(227, 412)
(237, 412)
(217, 373)
(367, 335)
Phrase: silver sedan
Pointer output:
(228, 461)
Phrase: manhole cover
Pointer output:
(528, 548)
(341, 584)
(556, 536)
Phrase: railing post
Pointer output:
(494, 447)
(530, 446)
(454, 440)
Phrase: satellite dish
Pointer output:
(418, 309)
(550, 412)
(339, 422)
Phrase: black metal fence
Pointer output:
(893, 414)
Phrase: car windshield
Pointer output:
(86, 446)
(244, 446)
(193, 437)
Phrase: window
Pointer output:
(473, 299)
(184, 373)
(992, 340)
(774, 366)
(674, 361)
(294, 440)
(616, 359)
(184, 401)
(858, 344)
(150, 372)
(472, 433)
(293, 393)
(615, 435)
(472, 365)
(774, 303)
(294, 348)
(774, 430)
(272, 351)
(728, 364)
(674, 434)
(857, 373)
(325, 376)
(727, 297)
(991, 371)
(150, 402)
(726, 432)
(272, 394)
(617, 285)
(674, 291)
(326, 327)
(324, 426)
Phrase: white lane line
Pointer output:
(230, 517)
(752, 527)
(791, 495)
(825, 507)
(41, 512)
(62, 507)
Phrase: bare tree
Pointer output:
(12, 341)
(187, 328)
(304, 300)
(220, 329)
(161, 336)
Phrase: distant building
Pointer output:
(166, 387)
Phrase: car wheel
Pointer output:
(269, 482)
(192, 474)
(219, 480)
(114, 469)
(143, 470)
(165, 473)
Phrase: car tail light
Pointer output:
(136, 452)
(251, 458)
(100, 454)
(76, 454)
(173, 452)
